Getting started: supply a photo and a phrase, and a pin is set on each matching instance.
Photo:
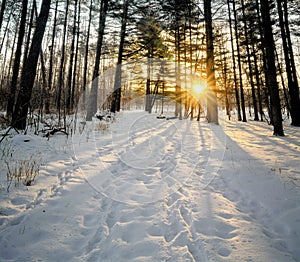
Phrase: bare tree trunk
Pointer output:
(212, 107)
(50, 76)
(244, 118)
(3, 6)
(254, 100)
(76, 57)
(257, 83)
(116, 96)
(86, 56)
(62, 63)
(92, 105)
(26, 49)
(289, 62)
(269, 44)
(236, 89)
(29, 70)
(16, 68)
(6, 30)
(72, 50)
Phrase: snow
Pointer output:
(148, 189)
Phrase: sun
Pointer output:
(198, 89)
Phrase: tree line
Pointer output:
(53, 52)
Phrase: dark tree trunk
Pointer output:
(76, 57)
(289, 62)
(178, 109)
(50, 76)
(3, 6)
(236, 89)
(244, 118)
(29, 70)
(212, 107)
(148, 84)
(254, 100)
(265, 86)
(92, 104)
(86, 56)
(6, 31)
(62, 63)
(257, 83)
(116, 96)
(269, 45)
(17, 60)
(72, 50)
(26, 49)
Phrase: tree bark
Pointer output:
(244, 118)
(92, 103)
(289, 62)
(62, 63)
(212, 107)
(3, 6)
(254, 100)
(116, 96)
(236, 89)
(70, 71)
(16, 67)
(269, 45)
(50, 76)
(29, 71)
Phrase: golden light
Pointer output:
(198, 88)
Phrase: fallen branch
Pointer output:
(55, 130)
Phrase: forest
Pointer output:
(240, 56)
(149, 130)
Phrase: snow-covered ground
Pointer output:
(149, 189)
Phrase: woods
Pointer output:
(55, 53)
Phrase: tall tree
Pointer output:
(116, 96)
(92, 104)
(269, 45)
(16, 67)
(236, 89)
(62, 61)
(72, 50)
(212, 106)
(75, 75)
(247, 43)
(19, 116)
(3, 6)
(86, 54)
(244, 118)
(289, 62)
(50, 75)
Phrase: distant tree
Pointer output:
(19, 116)
(149, 44)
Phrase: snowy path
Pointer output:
(166, 191)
